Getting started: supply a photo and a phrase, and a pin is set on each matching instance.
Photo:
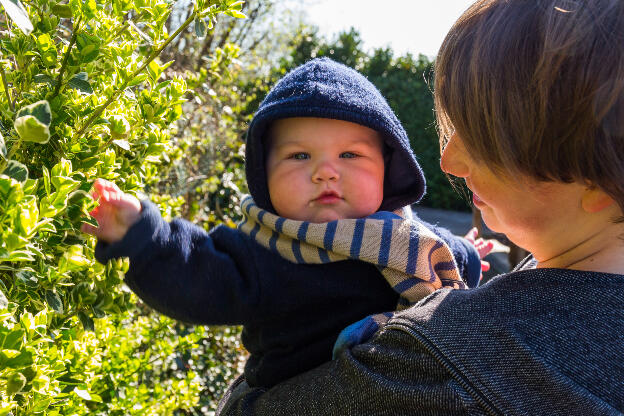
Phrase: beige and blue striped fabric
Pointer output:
(414, 261)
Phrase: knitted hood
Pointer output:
(326, 89)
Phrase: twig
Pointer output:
(149, 59)
(72, 41)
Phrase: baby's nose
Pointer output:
(325, 171)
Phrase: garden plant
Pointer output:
(84, 94)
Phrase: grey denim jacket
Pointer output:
(531, 342)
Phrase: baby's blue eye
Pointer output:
(348, 155)
(300, 156)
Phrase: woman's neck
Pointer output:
(602, 251)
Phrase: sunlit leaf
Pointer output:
(237, 14)
(30, 129)
(18, 14)
(40, 110)
(82, 393)
(3, 301)
(122, 143)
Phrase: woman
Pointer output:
(530, 104)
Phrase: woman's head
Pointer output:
(536, 88)
(529, 96)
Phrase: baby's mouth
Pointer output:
(327, 197)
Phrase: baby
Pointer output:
(327, 238)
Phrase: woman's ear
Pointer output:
(595, 199)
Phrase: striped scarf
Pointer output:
(413, 260)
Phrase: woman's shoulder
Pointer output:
(550, 335)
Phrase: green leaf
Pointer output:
(88, 47)
(45, 43)
(89, 220)
(4, 302)
(75, 258)
(62, 10)
(15, 383)
(46, 179)
(41, 404)
(52, 204)
(122, 143)
(19, 15)
(119, 126)
(28, 214)
(200, 28)
(80, 82)
(237, 14)
(13, 340)
(27, 278)
(32, 130)
(20, 255)
(87, 324)
(15, 359)
(45, 79)
(137, 80)
(62, 168)
(17, 171)
(238, 5)
(40, 110)
(82, 393)
(54, 301)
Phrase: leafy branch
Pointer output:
(72, 41)
(119, 90)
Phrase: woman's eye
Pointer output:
(300, 156)
(348, 155)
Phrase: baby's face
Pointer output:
(320, 170)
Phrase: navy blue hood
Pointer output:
(326, 89)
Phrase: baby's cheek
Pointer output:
(369, 196)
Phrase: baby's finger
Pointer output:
(472, 234)
(484, 247)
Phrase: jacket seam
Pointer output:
(448, 366)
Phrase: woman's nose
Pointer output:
(325, 171)
(453, 160)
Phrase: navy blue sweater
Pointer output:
(291, 314)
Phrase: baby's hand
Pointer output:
(484, 247)
(116, 212)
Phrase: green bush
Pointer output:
(84, 95)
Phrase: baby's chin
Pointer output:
(333, 216)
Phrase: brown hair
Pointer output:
(537, 87)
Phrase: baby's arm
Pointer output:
(176, 268)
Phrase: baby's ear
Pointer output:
(595, 200)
